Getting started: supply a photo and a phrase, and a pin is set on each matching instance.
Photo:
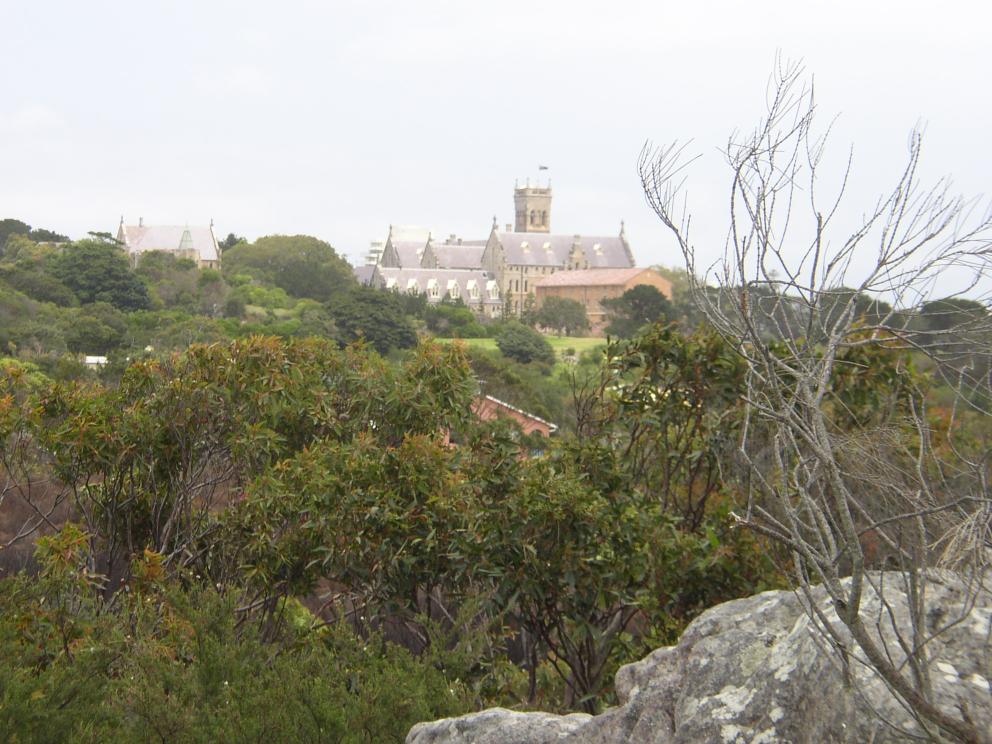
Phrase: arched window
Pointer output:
(433, 289)
(454, 290)
(533, 216)
(544, 218)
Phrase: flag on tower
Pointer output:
(542, 167)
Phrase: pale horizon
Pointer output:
(339, 119)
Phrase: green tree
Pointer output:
(301, 265)
(372, 315)
(24, 252)
(10, 226)
(99, 272)
(524, 344)
(563, 315)
(39, 286)
(449, 318)
(566, 556)
(670, 405)
(635, 308)
(230, 241)
(952, 313)
(41, 235)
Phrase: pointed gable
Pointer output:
(191, 242)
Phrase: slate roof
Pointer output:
(548, 249)
(408, 252)
(591, 277)
(142, 238)
(364, 274)
(454, 256)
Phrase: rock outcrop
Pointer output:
(498, 726)
(755, 670)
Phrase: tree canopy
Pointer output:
(562, 315)
(302, 265)
(99, 272)
(372, 315)
(10, 226)
(524, 344)
(635, 308)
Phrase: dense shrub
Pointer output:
(524, 344)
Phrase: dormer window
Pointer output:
(412, 286)
(493, 289)
(473, 289)
(391, 283)
(433, 289)
(454, 291)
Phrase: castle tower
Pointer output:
(532, 206)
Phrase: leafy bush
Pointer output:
(174, 664)
(524, 344)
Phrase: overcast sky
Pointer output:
(338, 118)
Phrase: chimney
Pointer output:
(509, 227)
(141, 222)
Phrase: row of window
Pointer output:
(453, 289)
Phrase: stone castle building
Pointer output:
(499, 274)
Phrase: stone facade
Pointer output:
(477, 289)
(532, 208)
(521, 260)
(517, 261)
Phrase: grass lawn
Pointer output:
(558, 343)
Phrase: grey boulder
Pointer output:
(756, 670)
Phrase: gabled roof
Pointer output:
(481, 411)
(548, 249)
(142, 238)
(591, 277)
(408, 252)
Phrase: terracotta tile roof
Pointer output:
(590, 277)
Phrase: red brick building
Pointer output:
(488, 408)
(592, 286)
